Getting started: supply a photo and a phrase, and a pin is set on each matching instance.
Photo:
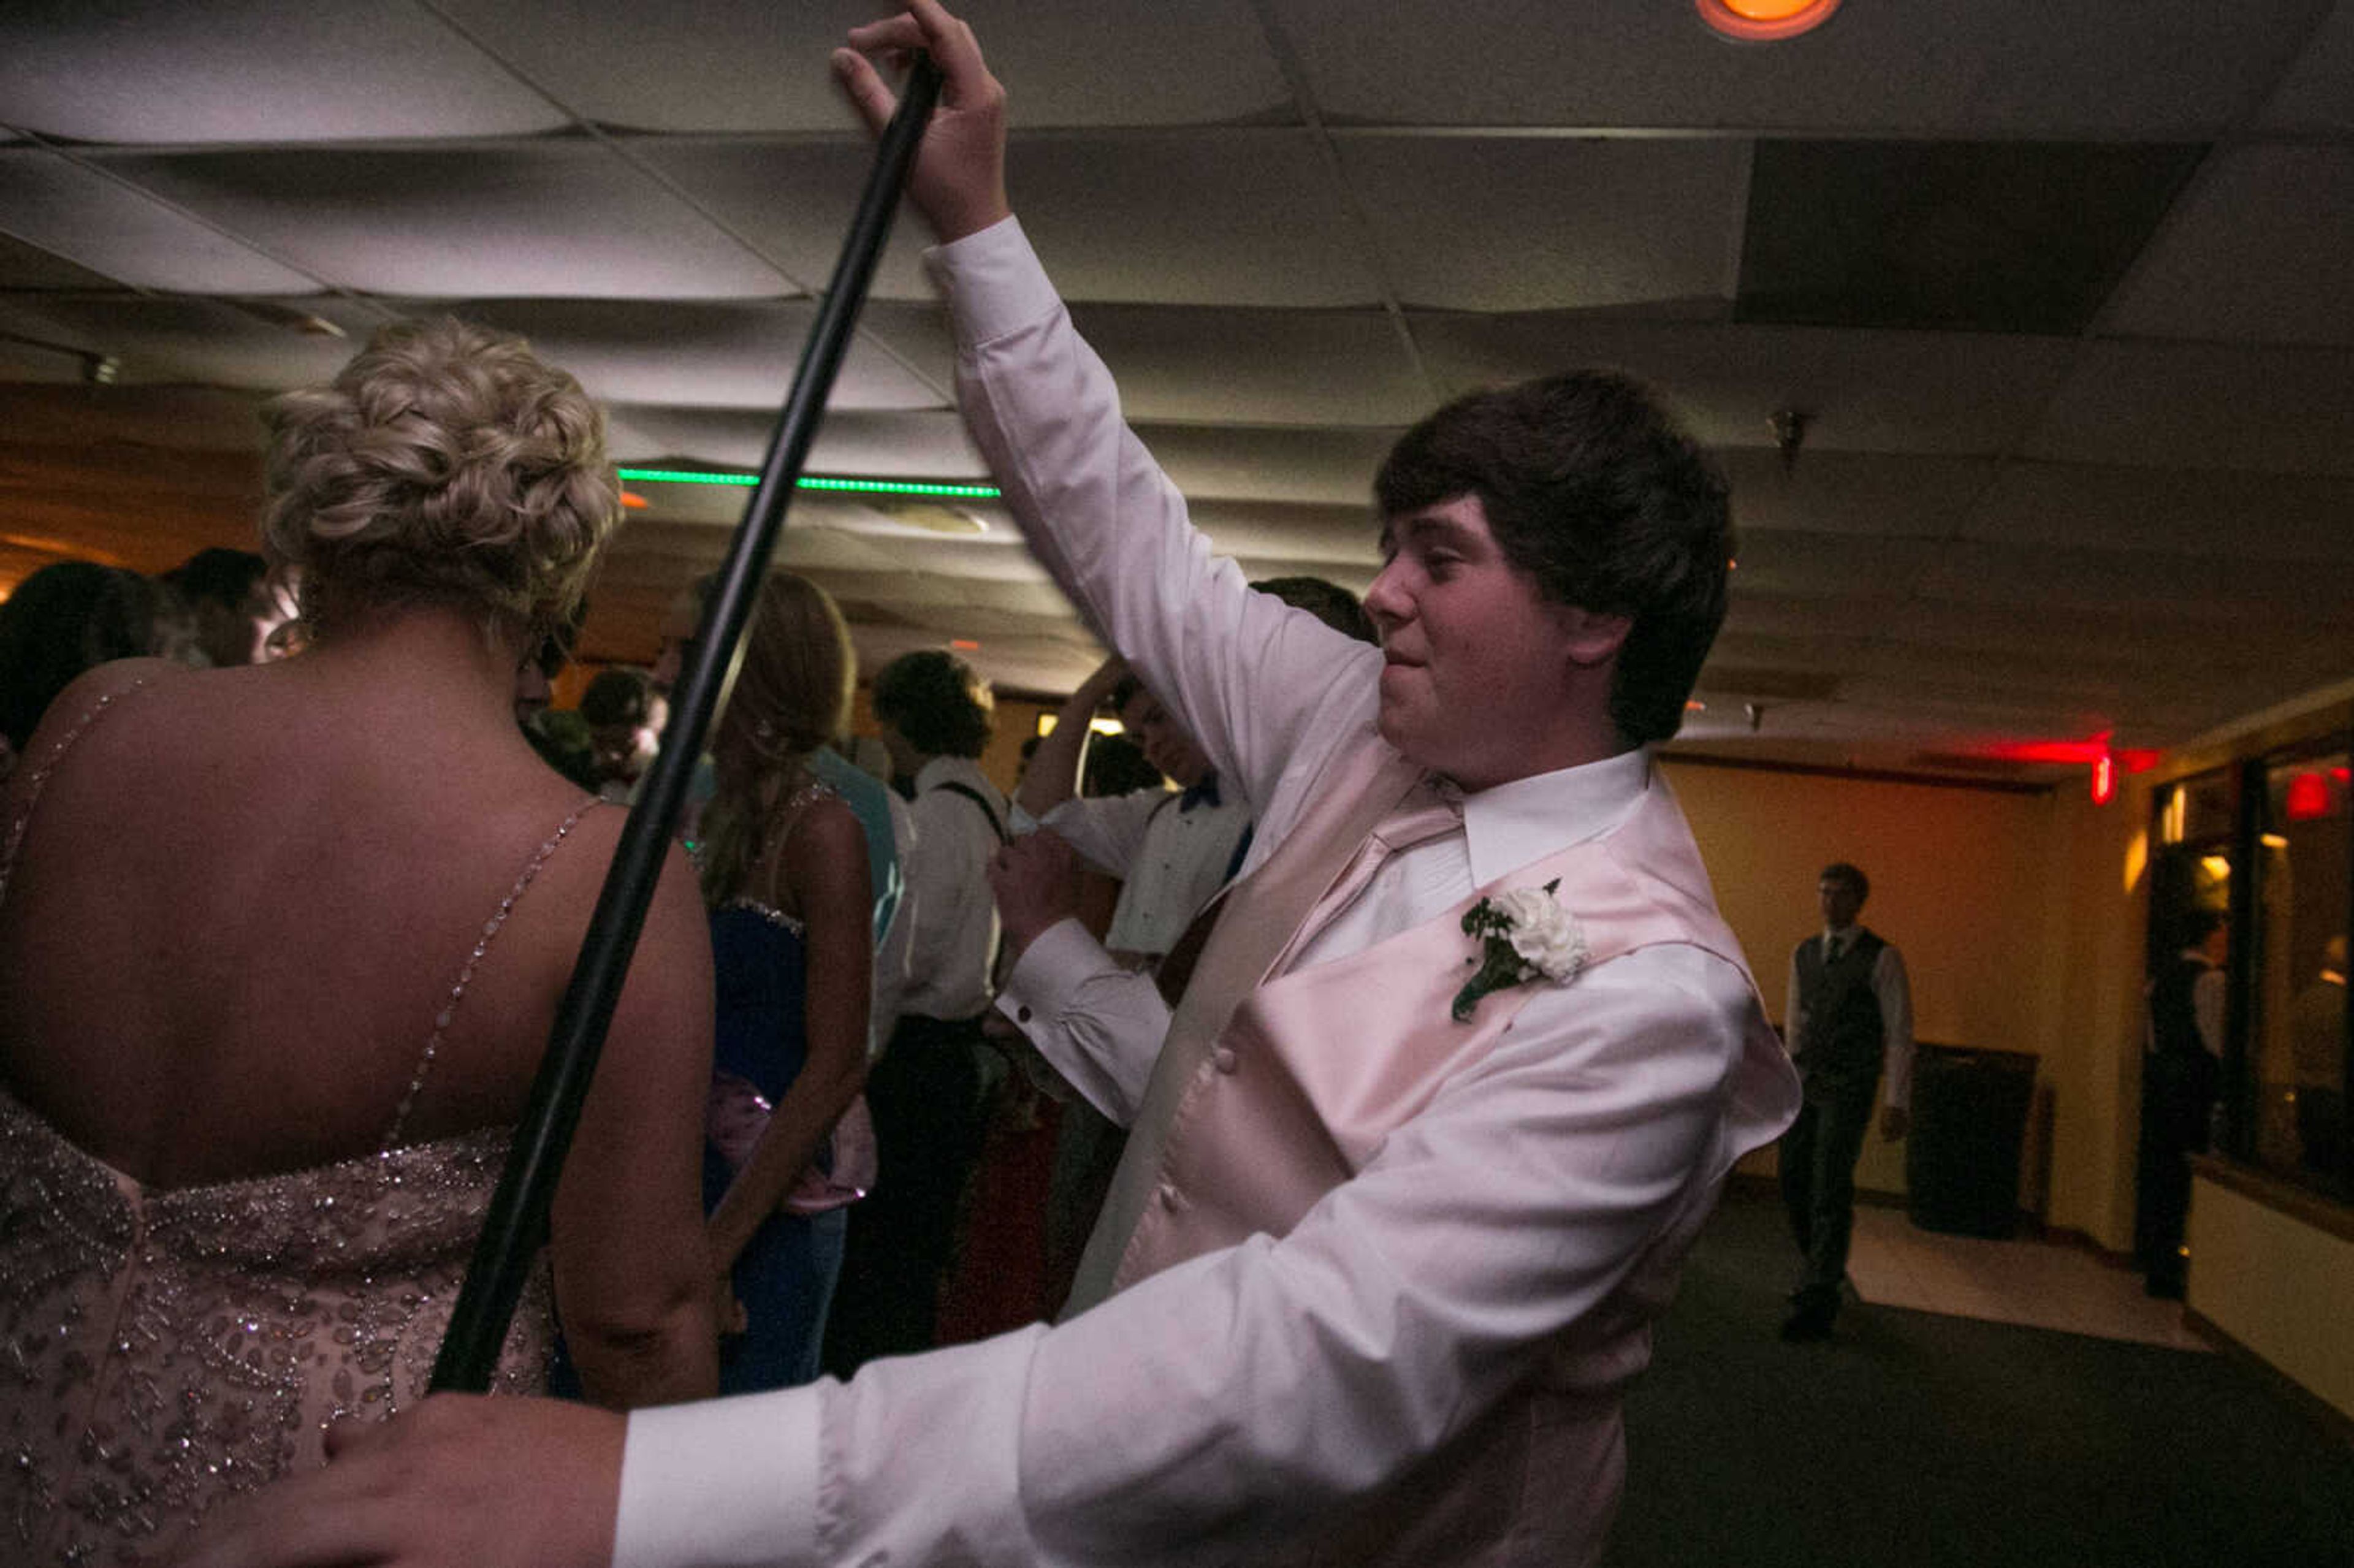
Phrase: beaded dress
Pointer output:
(167, 1348)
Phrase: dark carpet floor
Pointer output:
(1915, 1440)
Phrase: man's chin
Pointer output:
(1392, 726)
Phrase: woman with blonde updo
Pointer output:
(283, 945)
(785, 878)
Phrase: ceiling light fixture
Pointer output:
(849, 486)
(1764, 21)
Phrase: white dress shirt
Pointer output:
(1894, 990)
(952, 935)
(1102, 1019)
(1170, 857)
(1228, 1399)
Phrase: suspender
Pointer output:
(978, 799)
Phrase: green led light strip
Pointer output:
(856, 486)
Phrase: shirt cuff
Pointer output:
(724, 1483)
(1043, 981)
(993, 281)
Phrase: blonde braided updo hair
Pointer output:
(446, 464)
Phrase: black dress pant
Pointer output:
(2177, 1093)
(1817, 1163)
(925, 1094)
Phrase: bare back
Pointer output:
(244, 898)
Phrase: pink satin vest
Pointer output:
(1248, 1125)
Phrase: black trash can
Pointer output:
(1969, 1125)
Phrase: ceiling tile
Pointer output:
(201, 342)
(2260, 250)
(251, 70)
(2011, 236)
(1864, 391)
(753, 65)
(77, 213)
(1272, 463)
(1831, 567)
(28, 267)
(1315, 539)
(433, 223)
(2168, 510)
(2203, 405)
(1852, 493)
(879, 444)
(1268, 367)
(1479, 223)
(2141, 582)
(2317, 93)
(736, 354)
(1241, 218)
(1237, 218)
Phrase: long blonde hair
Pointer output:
(791, 695)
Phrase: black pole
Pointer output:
(517, 1222)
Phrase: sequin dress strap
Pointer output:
(491, 928)
(39, 778)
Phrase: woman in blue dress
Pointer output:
(785, 879)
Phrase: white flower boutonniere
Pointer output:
(1523, 933)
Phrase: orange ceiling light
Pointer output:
(1765, 21)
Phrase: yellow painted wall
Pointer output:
(2283, 1289)
(1961, 881)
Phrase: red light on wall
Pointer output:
(2307, 798)
(964, 645)
(2105, 779)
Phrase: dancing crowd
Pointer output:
(1276, 1155)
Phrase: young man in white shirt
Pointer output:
(1472, 1247)
(928, 1090)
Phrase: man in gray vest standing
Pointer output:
(1851, 1014)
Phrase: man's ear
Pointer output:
(1590, 637)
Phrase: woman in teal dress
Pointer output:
(785, 879)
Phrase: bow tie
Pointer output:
(1205, 793)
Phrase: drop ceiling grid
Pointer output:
(1829, 492)
(718, 353)
(2170, 512)
(1887, 391)
(2317, 93)
(194, 341)
(2269, 410)
(1255, 366)
(752, 64)
(76, 212)
(2142, 585)
(1496, 224)
(2260, 250)
(504, 219)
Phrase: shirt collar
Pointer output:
(1205, 793)
(1510, 825)
(941, 769)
